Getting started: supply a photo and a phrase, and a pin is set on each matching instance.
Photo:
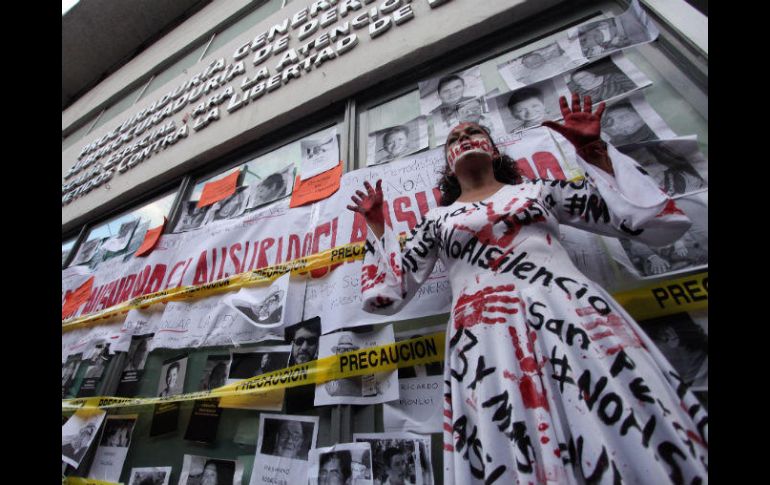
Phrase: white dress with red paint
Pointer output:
(548, 379)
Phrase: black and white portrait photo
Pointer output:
(684, 343)
(304, 338)
(440, 98)
(203, 470)
(677, 165)
(262, 306)
(150, 476)
(172, 377)
(110, 456)
(192, 217)
(117, 431)
(275, 186)
(604, 79)
(541, 63)
(137, 353)
(247, 363)
(287, 436)
(341, 464)
(87, 251)
(227, 208)
(215, 373)
(624, 125)
(398, 141)
(68, 371)
(319, 155)
(603, 36)
(686, 253)
(366, 389)
(78, 433)
(528, 107)
(395, 458)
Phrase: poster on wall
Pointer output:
(349, 463)
(199, 470)
(441, 97)
(275, 186)
(263, 309)
(68, 371)
(119, 241)
(165, 416)
(150, 476)
(632, 120)
(319, 154)
(676, 164)
(100, 358)
(398, 141)
(113, 448)
(686, 254)
(134, 367)
(421, 394)
(395, 457)
(530, 106)
(253, 362)
(558, 55)
(204, 420)
(283, 447)
(78, 433)
(605, 79)
(604, 36)
(366, 389)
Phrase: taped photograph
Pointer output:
(192, 217)
(601, 37)
(397, 141)
(345, 463)
(319, 154)
(605, 79)
(261, 306)
(528, 107)
(556, 57)
(150, 476)
(282, 448)
(684, 342)
(676, 164)
(254, 362)
(78, 433)
(203, 470)
(173, 372)
(633, 120)
(113, 448)
(395, 458)
(275, 186)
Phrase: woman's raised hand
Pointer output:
(580, 127)
(369, 205)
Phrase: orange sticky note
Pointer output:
(77, 298)
(316, 188)
(151, 238)
(219, 189)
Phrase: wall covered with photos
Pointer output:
(289, 203)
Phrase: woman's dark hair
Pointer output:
(503, 166)
(524, 94)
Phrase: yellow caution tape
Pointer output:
(339, 254)
(685, 294)
(85, 481)
(383, 358)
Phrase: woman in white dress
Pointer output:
(547, 378)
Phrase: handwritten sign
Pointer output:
(316, 188)
(218, 189)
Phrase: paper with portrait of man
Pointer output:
(113, 448)
(604, 36)
(204, 470)
(265, 308)
(272, 187)
(605, 79)
(395, 458)
(365, 389)
(252, 362)
(545, 59)
(529, 107)
(150, 475)
(397, 141)
(282, 449)
(632, 120)
(78, 433)
(341, 464)
(319, 153)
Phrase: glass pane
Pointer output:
(172, 71)
(66, 247)
(263, 180)
(119, 106)
(122, 235)
(251, 19)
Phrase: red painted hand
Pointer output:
(370, 206)
(580, 127)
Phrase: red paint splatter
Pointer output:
(693, 436)
(544, 439)
(530, 394)
(448, 413)
(615, 328)
(557, 452)
(548, 239)
(589, 310)
(510, 375)
(469, 310)
(447, 427)
(394, 265)
(542, 427)
(512, 226)
(370, 277)
(448, 447)
(670, 208)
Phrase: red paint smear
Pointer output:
(527, 387)
(370, 277)
(470, 308)
(589, 310)
(447, 427)
(544, 439)
(448, 447)
(557, 452)
(670, 208)
(511, 376)
(548, 238)
(696, 438)
(448, 413)
(486, 234)
(394, 265)
(614, 326)
(542, 427)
